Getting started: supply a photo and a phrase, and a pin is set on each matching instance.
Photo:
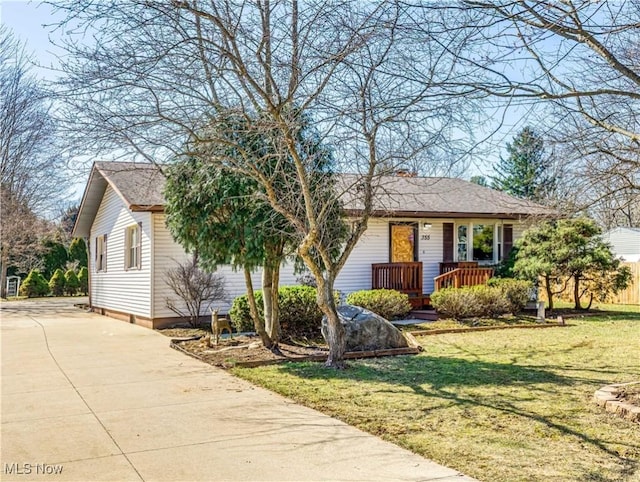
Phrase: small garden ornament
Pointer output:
(218, 325)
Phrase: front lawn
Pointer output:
(499, 406)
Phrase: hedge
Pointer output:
(390, 304)
(300, 316)
(516, 291)
(472, 301)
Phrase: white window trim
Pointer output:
(497, 226)
(131, 252)
(101, 253)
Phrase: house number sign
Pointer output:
(425, 237)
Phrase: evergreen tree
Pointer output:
(83, 279)
(71, 282)
(222, 216)
(34, 285)
(55, 256)
(526, 172)
(78, 252)
(570, 249)
(479, 180)
(57, 282)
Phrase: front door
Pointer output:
(403, 243)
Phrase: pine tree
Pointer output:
(526, 172)
(78, 251)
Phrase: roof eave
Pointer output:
(91, 199)
(152, 208)
(445, 215)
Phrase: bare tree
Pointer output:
(380, 80)
(196, 290)
(581, 58)
(31, 179)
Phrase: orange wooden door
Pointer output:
(403, 243)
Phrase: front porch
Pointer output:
(407, 278)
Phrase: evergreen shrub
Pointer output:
(300, 316)
(34, 285)
(390, 304)
(57, 283)
(71, 282)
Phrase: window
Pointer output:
(101, 253)
(483, 242)
(462, 243)
(132, 245)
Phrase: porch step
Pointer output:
(429, 315)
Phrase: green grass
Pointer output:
(499, 406)
(599, 306)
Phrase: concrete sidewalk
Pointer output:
(100, 399)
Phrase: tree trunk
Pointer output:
(590, 301)
(270, 277)
(3, 278)
(275, 331)
(258, 323)
(335, 331)
(576, 292)
(547, 286)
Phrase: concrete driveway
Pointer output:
(90, 398)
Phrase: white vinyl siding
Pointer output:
(355, 275)
(372, 248)
(167, 254)
(118, 289)
(625, 243)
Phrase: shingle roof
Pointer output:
(437, 196)
(138, 184)
(140, 187)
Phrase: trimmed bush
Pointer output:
(57, 283)
(34, 285)
(516, 291)
(71, 282)
(489, 301)
(390, 304)
(456, 303)
(468, 302)
(83, 279)
(299, 314)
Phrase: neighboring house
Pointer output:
(625, 243)
(424, 232)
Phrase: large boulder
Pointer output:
(366, 331)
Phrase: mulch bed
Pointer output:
(242, 350)
(247, 351)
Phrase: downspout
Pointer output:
(152, 266)
(89, 268)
